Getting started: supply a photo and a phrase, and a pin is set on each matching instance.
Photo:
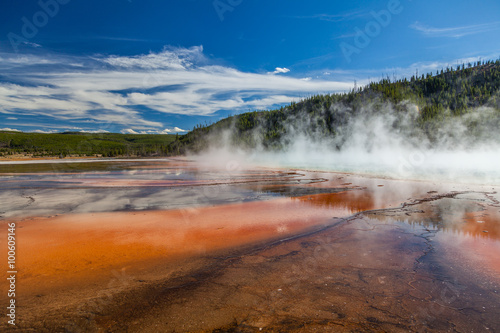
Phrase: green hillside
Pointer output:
(440, 97)
(85, 144)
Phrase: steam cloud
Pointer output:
(378, 139)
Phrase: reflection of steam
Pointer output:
(377, 139)
(461, 216)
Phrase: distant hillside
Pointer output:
(438, 97)
(85, 144)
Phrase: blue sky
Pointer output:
(163, 66)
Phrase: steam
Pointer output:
(379, 139)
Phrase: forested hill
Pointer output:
(437, 98)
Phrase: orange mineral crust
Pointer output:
(57, 250)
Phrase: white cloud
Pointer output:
(165, 131)
(78, 103)
(280, 70)
(11, 118)
(44, 131)
(9, 129)
(122, 91)
(94, 131)
(128, 131)
(11, 60)
(455, 32)
(173, 58)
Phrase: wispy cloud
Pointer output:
(99, 131)
(173, 58)
(35, 45)
(10, 61)
(455, 32)
(130, 91)
(336, 17)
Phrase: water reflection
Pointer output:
(119, 175)
(274, 248)
(353, 200)
(461, 216)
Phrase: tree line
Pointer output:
(87, 144)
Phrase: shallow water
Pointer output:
(176, 246)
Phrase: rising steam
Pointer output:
(379, 139)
